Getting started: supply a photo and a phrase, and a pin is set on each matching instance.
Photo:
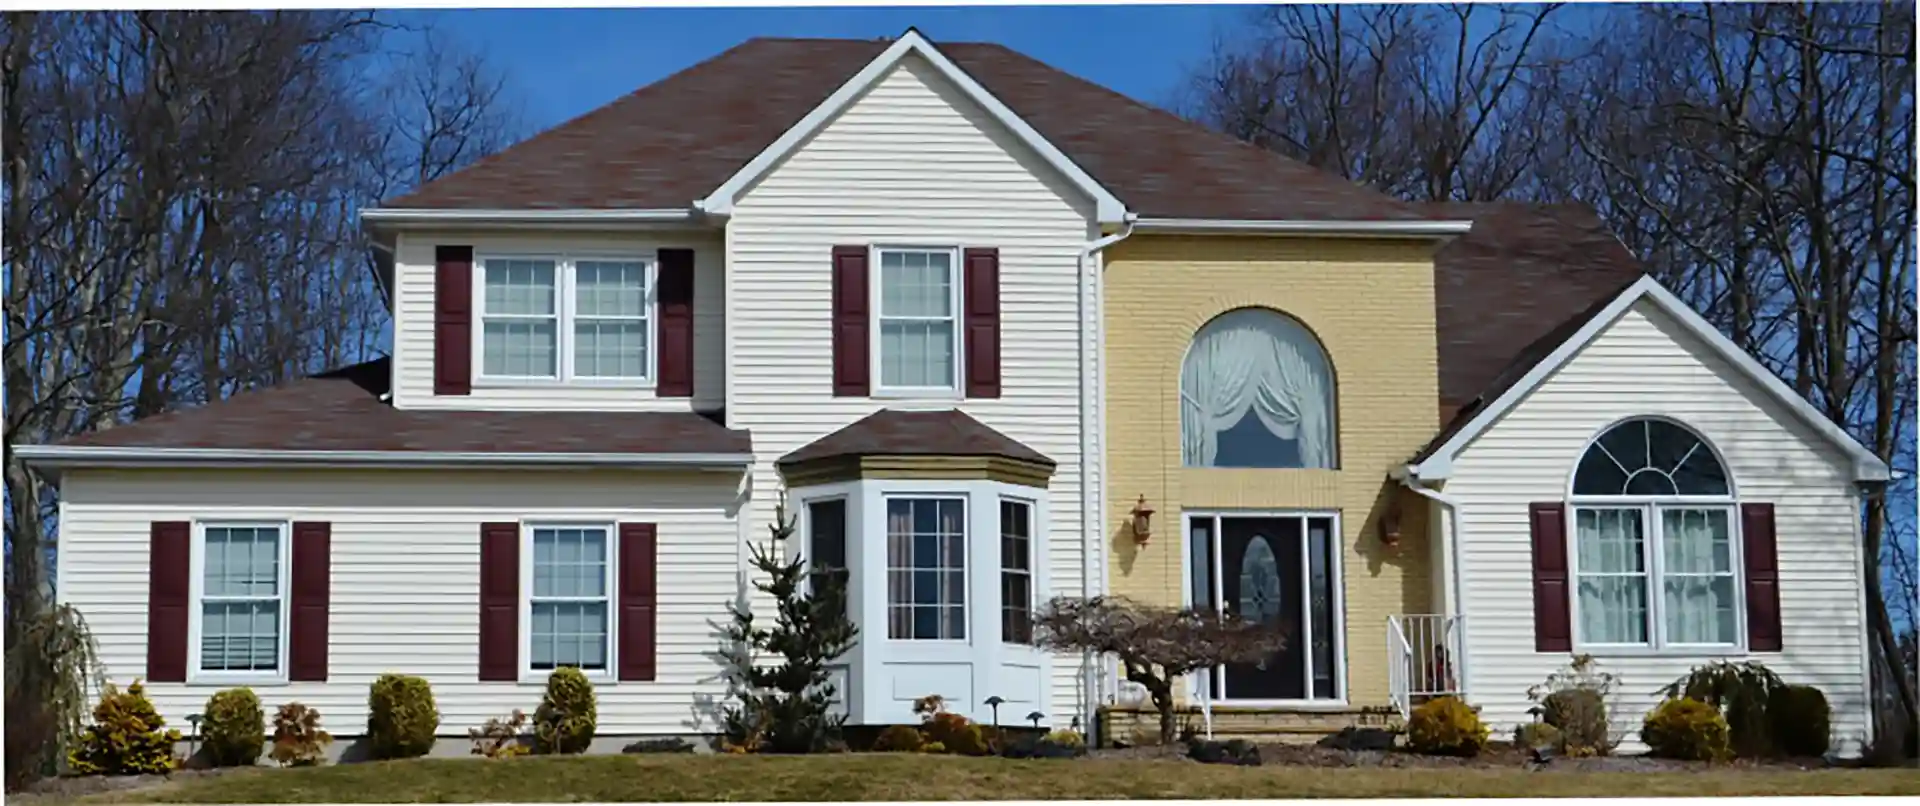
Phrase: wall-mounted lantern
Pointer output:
(1390, 526)
(1142, 521)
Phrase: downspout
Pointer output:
(1407, 479)
(1093, 444)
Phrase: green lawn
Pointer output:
(911, 777)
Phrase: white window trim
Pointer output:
(1650, 508)
(527, 672)
(196, 590)
(564, 277)
(967, 604)
(1339, 604)
(1033, 560)
(875, 360)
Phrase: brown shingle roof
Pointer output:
(341, 411)
(678, 139)
(890, 432)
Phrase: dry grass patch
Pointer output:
(910, 777)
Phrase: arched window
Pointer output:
(1654, 557)
(1256, 390)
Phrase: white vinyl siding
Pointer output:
(1646, 364)
(405, 568)
(913, 162)
(608, 327)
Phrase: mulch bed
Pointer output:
(1497, 756)
(65, 787)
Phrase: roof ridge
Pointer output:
(1198, 128)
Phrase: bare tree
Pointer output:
(1156, 645)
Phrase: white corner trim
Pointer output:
(1866, 466)
(58, 456)
(1108, 209)
(1357, 229)
(529, 217)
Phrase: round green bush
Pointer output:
(1580, 714)
(1802, 723)
(565, 720)
(1446, 726)
(1688, 729)
(1538, 734)
(236, 728)
(401, 717)
(899, 739)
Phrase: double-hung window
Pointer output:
(1016, 572)
(243, 587)
(927, 568)
(568, 605)
(919, 329)
(1654, 554)
(566, 319)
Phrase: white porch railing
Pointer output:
(1424, 659)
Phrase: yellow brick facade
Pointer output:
(1371, 304)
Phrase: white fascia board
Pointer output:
(399, 216)
(1352, 229)
(1108, 209)
(1866, 466)
(58, 456)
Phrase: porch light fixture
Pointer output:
(1390, 526)
(1142, 522)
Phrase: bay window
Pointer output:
(927, 568)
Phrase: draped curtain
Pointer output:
(1259, 361)
(1613, 576)
(1698, 557)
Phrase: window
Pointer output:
(918, 327)
(1256, 390)
(568, 605)
(544, 318)
(926, 568)
(827, 542)
(1653, 540)
(1016, 572)
(241, 597)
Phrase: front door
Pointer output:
(1272, 569)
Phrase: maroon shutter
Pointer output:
(676, 323)
(1552, 622)
(983, 322)
(168, 590)
(637, 593)
(850, 345)
(453, 320)
(499, 601)
(312, 575)
(1763, 578)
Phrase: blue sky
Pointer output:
(564, 62)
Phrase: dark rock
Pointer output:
(1354, 738)
(668, 745)
(1238, 752)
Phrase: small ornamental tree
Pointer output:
(783, 706)
(1156, 645)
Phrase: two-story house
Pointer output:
(966, 318)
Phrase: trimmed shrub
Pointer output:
(1539, 735)
(401, 717)
(933, 747)
(1580, 716)
(1688, 729)
(565, 720)
(236, 728)
(1801, 721)
(298, 740)
(127, 736)
(1740, 692)
(500, 738)
(1066, 738)
(1446, 726)
(899, 739)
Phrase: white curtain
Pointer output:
(1698, 556)
(1613, 584)
(1260, 361)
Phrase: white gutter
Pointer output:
(1093, 554)
(406, 215)
(1351, 229)
(57, 456)
(1409, 479)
